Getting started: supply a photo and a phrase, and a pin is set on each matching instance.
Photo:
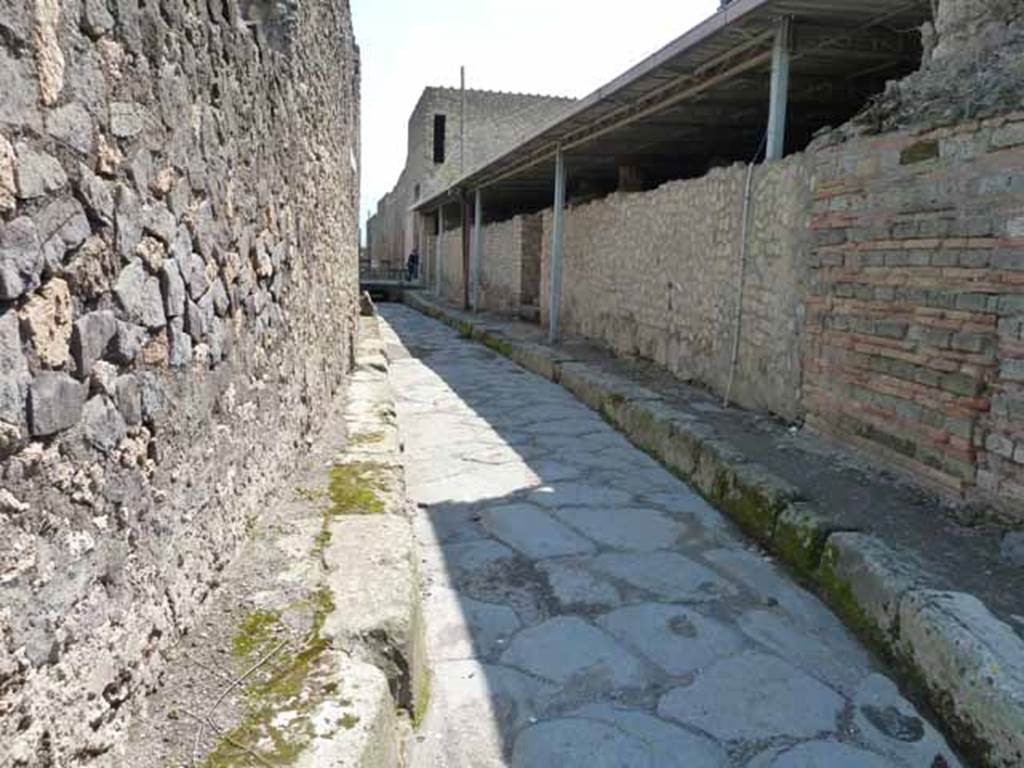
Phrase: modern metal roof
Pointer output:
(703, 98)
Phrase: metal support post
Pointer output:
(779, 99)
(476, 263)
(557, 238)
(439, 258)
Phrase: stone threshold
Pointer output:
(899, 585)
(311, 652)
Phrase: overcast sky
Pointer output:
(556, 47)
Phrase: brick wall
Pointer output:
(913, 332)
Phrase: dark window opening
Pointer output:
(439, 129)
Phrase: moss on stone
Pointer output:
(422, 701)
(256, 632)
(280, 703)
(500, 346)
(367, 438)
(353, 490)
(349, 721)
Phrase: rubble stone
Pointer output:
(47, 316)
(55, 402)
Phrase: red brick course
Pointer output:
(914, 323)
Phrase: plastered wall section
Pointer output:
(915, 323)
(657, 275)
(178, 299)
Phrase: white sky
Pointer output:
(556, 47)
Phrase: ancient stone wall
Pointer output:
(657, 274)
(914, 324)
(511, 249)
(452, 275)
(494, 120)
(178, 291)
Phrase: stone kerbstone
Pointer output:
(38, 173)
(139, 295)
(55, 403)
(90, 339)
(861, 573)
(971, 661)
(21, 258)
(47, 317)
(104, 426)
(1011, 548)
(378, 550)
(754, 696)
(14, 373)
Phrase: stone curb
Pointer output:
(969, 663)
(368, 552)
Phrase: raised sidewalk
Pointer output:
(924, 588)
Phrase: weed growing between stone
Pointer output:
(353, 490)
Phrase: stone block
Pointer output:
(38, 173)
(8, 187)
(47, 319)
(21, 258)
(55, 403)
(973, 663)
(91, 338)
(139, 295)
(96, 195)
(72, 125)
(180, 344)
(14, 373)
(103, 424)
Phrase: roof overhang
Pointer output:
(705, 95)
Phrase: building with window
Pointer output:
(490, 121)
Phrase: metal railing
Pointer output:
(388, 275)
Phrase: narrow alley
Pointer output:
(585, 607)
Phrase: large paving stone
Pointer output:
(668, 575)
(624, 527)
(821, 754)
(679, 640)
(754, 696)
(569, 494)
(568, 650)
(533, 532)
(475, 711)
(576, 588)
(459, 627)
(842, 663)
(572, 741)
(891, 725)
(669, 745)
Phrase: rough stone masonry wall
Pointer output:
(452, 281)
(178, 288)
(501, 265)
(656, 274)
(915, 326)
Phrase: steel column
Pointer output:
(476, 262)
(439, 256)
(779, 98)
(557, 241)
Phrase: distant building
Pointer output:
(493, 121)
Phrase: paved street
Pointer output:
(585, 607)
